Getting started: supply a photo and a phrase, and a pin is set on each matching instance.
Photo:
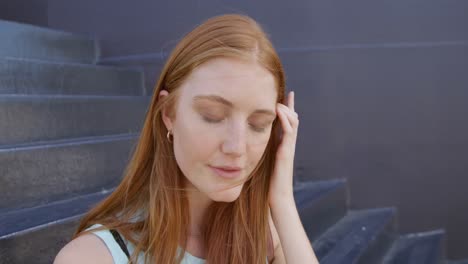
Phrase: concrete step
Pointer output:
(28, 41)
(35, 235)
(38, 174)
(35, 224)
(416, 248)
(320, 204)
(28, 76)
(31, 118)
(359, 237)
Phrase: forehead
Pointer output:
(242, 83)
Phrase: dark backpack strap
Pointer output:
(120, 241)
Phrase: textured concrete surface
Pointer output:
(353, 235)
(27, 76)
(31, 118)
(41, 174)
(321, 204)
(38, 246)
(427, 248)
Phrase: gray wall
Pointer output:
(381, 89)
(25, 11)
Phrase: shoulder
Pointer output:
(87, 248)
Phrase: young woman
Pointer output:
(211, 178)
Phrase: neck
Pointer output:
(198, 204)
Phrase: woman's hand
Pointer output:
(281, 183)
(294, 246)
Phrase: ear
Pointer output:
(166, 119)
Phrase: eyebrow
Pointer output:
(221, 100)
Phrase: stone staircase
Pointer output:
(68, 126)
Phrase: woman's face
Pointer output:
(224, 118)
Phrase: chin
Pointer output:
(227, 196)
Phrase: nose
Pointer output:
(235, 140)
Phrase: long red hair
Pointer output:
(235, 232)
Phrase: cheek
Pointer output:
(198, 139)
(194, 143)
(256, 150)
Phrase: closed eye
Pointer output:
(214, 121)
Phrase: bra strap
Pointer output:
(120, 241)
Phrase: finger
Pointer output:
(286, 101)
(285, 123)
(291, 100)
(291, 115)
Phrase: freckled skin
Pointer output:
(235, 138)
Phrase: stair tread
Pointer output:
(349, 237)
(44, 29)
(416, 248)
(23, 220)
(309, 191)
(67, 142)
(74, 64)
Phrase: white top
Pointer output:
(119, 256)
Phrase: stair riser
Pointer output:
(39, 246)
(40, 175)
(376, 251)
(354, 235)
(24, 120)
(26, 41)
(19, 76)
(14, 222)
(320, 214)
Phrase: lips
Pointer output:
(226, 171)
(228, 168)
